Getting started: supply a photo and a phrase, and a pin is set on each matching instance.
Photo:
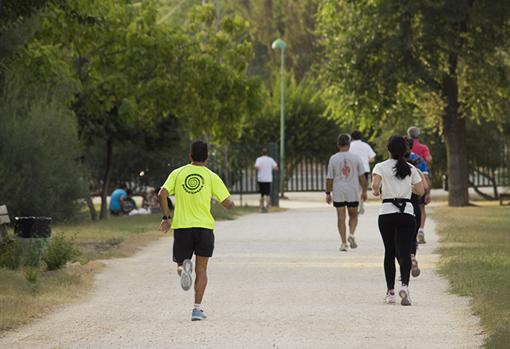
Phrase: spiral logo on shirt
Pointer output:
(193, 183)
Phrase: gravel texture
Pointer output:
(276, 281)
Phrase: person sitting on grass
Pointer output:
(118, 200)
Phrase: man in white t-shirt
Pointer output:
(367, 155)
(345, 180)
(265, 165)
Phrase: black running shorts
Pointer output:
(346, 203)
(192, 240)
(264, 188)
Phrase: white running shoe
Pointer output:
(421, 236)
(390, 298)
(404, 294)
(186, 274)
(361, 209)
(344, 248)
(352, 241)
(415, 270)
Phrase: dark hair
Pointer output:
(343, 139)
(199, 151)
(356, 135)
(264, 151)
(397, 146)
(123, 186)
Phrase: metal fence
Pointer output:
(492, 169)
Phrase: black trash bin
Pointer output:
(32, 227)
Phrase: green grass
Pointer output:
(475, 257)
(22, 300)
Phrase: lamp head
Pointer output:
(278, 44)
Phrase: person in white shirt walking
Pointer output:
(265, 165)
(344, 178)
(367, 155)
(395, 180)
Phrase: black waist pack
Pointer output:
(398, 203)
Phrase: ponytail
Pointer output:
(402, 168)
(397, 147)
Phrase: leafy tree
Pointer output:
(134, 71)
(309, 133)
(432, 60)
(294, 21)
(39, 147)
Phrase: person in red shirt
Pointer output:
(419, 148)
(424, 152)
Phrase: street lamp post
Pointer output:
(280, 44)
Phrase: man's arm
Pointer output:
(329, 189)
(163, 203)
(228, 203)
(363, 183)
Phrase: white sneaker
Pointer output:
(344, 248)
(421, 236)
(352, 241)
(361, 209)
(390, 298)
(186, 274)
(404, 294)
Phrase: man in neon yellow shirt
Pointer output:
(193, 186)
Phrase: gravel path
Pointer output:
(276, 281)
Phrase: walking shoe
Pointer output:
(352, 241)
(263, 210)
(390, 298)
(415, 270)
(404, 294)
(421, 236)
(198, 315)
(186, 274)
(344, 247)
(361, 209)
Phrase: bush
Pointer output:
(60, 251)
(10, 254)
(31, 275)
(39, 153)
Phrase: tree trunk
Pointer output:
(106, 179)
(455, 133)
(92, 209)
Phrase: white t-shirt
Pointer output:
(344, 169)
(364, 151)
(265, 165)
(393, 187)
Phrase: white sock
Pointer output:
(198, 307)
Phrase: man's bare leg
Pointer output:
(268, 201)
(353, 219)
(261, 202)
(423, 216)
(340, 211)
(201, 278)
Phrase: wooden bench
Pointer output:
(4, 220)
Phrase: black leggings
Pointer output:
(397, 231)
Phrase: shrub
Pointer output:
(10, 254)
(31, 275)
(60, 251)
(39, 153)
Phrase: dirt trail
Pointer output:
(276, 281)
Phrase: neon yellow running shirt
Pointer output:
(193, 187)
